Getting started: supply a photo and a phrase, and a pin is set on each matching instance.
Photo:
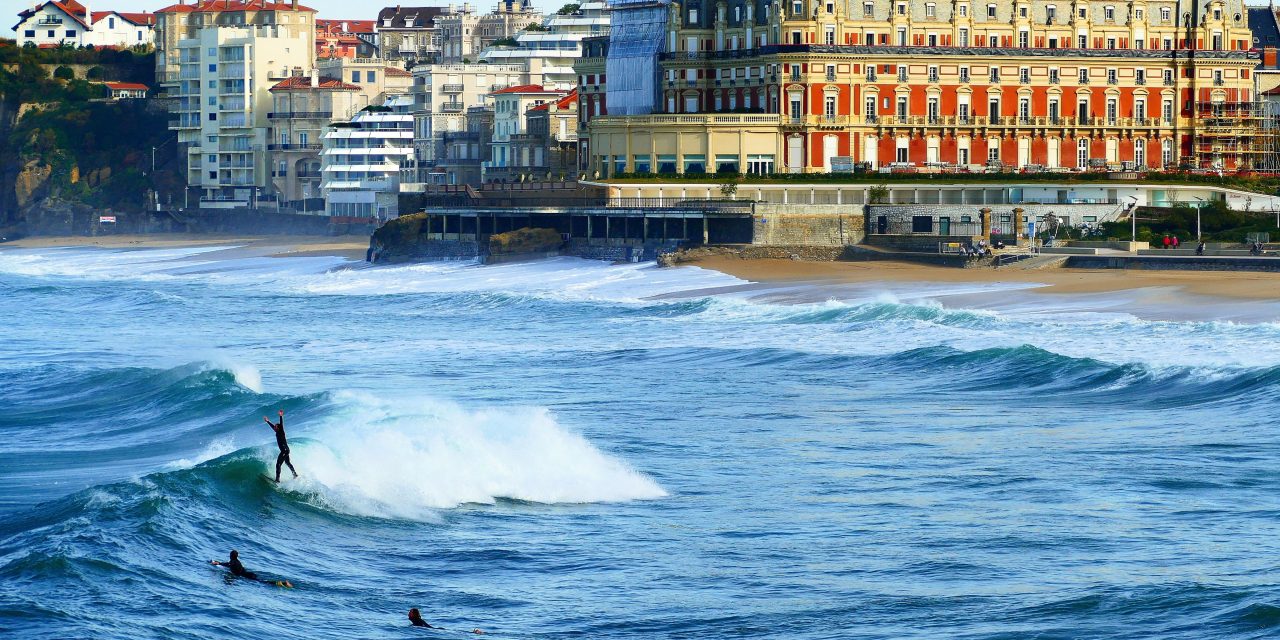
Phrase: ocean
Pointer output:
(568, 448)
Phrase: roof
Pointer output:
(122, 86)
(141, 19)
(423, 17)
(344, 26)
(568, 100)
(215, 6)
(73, 9)
(394, 72)
(1262, 22)
(323, 84)
(524, 88)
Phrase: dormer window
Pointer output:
(408, 23)
(693, 16)
(386, 22)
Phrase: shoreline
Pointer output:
(273, 246)
(1237, 285)
(1194, 285)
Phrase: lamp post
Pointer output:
(1198, 216)
(1133, 218)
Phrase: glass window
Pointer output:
(727, 164)
(642, 164)
(666, 163)
(695, 163)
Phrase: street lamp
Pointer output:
(1133, 218)
(1198, 216)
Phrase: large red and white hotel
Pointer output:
(794, 86)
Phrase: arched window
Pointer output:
(1082, 153)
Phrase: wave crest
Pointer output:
(407, 459)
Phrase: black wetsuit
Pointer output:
(283, 458)
(239, 570)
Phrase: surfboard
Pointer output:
(274, 582)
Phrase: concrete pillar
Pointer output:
(705, 237)
(984, 216)
(1018, 226)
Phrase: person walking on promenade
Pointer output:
(1165, 242)
(1176, 243)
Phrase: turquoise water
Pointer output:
(573, 449)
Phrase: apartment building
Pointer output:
(409, 34)
(218, 62)
(463, 153)
(362, 160)
(553, 134)
(377, 80)
(465, 33)
(946, 85)
(442, 93)
(302, 110)
(558, 44)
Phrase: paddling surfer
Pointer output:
(238, 570)
(283, 458)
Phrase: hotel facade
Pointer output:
(805, 86)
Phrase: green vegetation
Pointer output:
(1217, 224)
(68, 54)
(505, 42)
(97, 152)
(536, 27)
(570, 8)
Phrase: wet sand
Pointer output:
(350, 247)
(1241, 285)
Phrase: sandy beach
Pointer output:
(350, 247)
(1227, 284)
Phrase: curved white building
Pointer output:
(362, 159)
(558, 47)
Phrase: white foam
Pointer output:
(408, 459)
(215, 449)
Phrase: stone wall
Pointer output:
(808, 225)
(922, 243)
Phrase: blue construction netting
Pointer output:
(636, 36)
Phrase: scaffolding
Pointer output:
(1237, 136)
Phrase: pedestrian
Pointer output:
(1165, 242)
(1176, 243)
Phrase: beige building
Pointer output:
(442, 93)
(462, 153)
(376, 79)
(303, 109)
(552, 140)
(218, 62)
(464, 33)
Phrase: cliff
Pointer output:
(65, 148)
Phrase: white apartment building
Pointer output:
(227, 56)
(442, 93)
(558, 47)
(71, 22)
(362, 160)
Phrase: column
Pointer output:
(1018, 225)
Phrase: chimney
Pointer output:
(315, 75)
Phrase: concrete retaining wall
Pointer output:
(808, 225)
(916, 243)
(1175, 263)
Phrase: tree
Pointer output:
(878, 194)
(572, 7)
(729, 189)
(96, 73)
(64, 73)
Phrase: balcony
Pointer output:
(451, 88)
(48, 21)
(299, 115)
(451, 107)
(293, 147)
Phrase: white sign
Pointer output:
(106, 219)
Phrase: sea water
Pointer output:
(575, 449)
